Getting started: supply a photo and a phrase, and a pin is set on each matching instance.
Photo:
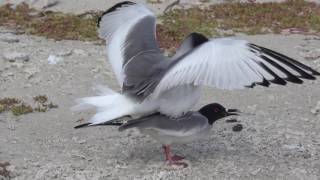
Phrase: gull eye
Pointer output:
(216, 110)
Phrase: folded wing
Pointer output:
(188, 124)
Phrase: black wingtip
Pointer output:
(277, 79)
(82, 125)
(197, 39)
(264, 83)
(113, 8)
(296, 65)
(316, 73)
(290, 77)
(294, 79)
(103, 124)
(111, 124)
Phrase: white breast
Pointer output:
(179, 100)
(173, 102)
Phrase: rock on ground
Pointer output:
(15, 56)
(9, 38)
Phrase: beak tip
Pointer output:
(231, 112)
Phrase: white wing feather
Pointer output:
(223, 63)
(114, 28)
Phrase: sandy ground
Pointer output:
(280, 140)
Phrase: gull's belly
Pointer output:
(171, 138)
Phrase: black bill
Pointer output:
(231, 112)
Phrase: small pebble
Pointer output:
(64, 53)
(9, 38)
(15, 56)
(316, 109)
(237, 128)
(80, 52)
(95, 70)
(297, 147)
(311, 54)
(256, 171)
(16, 65)
(52, 59)
(233, 120)
(306, 156)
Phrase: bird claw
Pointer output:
(178, 164)
(175, 161)
(177, 158)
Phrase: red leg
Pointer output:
(173, 160)
(177, 158)
(167, 152)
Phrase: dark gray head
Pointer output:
(216, 111)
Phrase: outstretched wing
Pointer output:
(144, 71)
(129, 30)
(192, 41)
(227, 63)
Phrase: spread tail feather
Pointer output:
(110, 105)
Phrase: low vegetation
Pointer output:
(6, 104)
(215, 20)
(42, 103)
(249, 18)
(49, 24)
(21, 109)
(18, 107)
(3, 169)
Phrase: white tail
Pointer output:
(110, 105)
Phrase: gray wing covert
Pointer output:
(144, 71)
(188, 122)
